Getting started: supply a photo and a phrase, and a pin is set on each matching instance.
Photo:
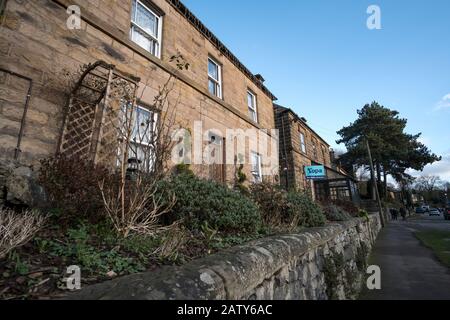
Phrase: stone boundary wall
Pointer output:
(319, 263)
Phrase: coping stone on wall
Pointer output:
(230, 274)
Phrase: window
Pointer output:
(256, 167)
(141, 153)
(214, 78)
(146, 28)
(251, 103)
(302, 143)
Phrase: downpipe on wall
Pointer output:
(17, 150)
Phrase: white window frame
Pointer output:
(135, 145)
(302, 142)
(217, 82)
(158, 38)
(154, 122)
(257, 178)
(252, 109)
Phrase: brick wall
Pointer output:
(35, 42)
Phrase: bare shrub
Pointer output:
(174, 239)
(137, 209)
(17, 228)
(133, 202)
(286, 211)
(72, 186)
(273, 203)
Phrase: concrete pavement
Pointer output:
(409, 270)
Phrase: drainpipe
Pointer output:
(285, 169)
(25, 110)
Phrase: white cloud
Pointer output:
(444, 103)
(424, 140)
(441, 169)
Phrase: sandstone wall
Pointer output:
(319, 263)
(290, 148)
(35, 42)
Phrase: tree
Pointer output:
(432, 188)
(393, 150)
(428, 183)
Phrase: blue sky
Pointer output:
(319, 58)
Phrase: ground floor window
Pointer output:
(142, 145)
(256, 167)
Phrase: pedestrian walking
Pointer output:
(403, 213)
(394, 213)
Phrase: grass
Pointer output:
(439, 242)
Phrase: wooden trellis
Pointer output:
(91, 120)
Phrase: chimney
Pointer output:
(332, 155)
(260, 78)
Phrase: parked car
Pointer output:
(420, 210)
(447, 213)
(433, 212)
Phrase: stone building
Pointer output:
(300, 146)
(43, 44)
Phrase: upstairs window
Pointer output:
(256, 167)
(302, 143)
(146, 28)
(214, 78)
(314, 149)
(251, 103)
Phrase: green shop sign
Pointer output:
(315, 172)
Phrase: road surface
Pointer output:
(409, 270)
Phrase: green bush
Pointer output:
(309, 213)
(183, 168)
(363, 214)
(240, 181)
(336, 213)
(199, 201)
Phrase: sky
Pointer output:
(319, 58)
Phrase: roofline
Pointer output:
(197, 24)
(286, 109)
(344, 174)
